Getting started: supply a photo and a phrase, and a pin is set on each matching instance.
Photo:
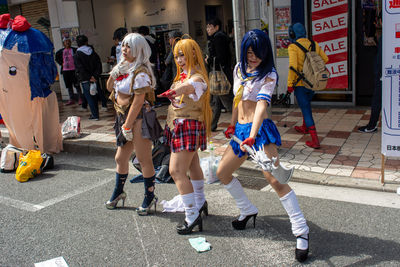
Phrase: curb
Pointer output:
(249, 176)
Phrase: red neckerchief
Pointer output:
(121, 77)
(183, 76)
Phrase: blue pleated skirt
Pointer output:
(267, 134)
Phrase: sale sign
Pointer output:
(329, 29)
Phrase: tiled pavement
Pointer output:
(344, 152)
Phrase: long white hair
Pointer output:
(141, 51)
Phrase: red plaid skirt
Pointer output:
(188, 135)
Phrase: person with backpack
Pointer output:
(297, 82)
(131, 84)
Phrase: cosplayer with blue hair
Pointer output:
(255, 79)
(261, 45)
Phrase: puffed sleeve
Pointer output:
(141, 84)
(268, 87)
(199, 89)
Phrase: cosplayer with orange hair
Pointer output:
(188, 127)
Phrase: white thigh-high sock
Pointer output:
(198, 187)
(299, 224)
(242, 202)
(191, 211)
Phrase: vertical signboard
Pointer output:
(390, 79)
(3, 7)
(329, 29)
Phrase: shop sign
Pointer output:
(329, 29)
(390, 79)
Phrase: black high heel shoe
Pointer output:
(241, 225)
(204, 208)
(302, 254)
(184, 229)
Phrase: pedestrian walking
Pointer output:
(255, 78)
(187, 130)
(297, 33)
(88, 70)
(131, 84)
(376, 104)
(220, 56)
(65, 58)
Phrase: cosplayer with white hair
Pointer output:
(131, 84)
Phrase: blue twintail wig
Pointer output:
(261, 45)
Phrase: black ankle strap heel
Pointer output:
(302, 254)
(241, 225)
(185, 229)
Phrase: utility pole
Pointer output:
(238, 24)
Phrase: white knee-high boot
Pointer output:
(198, 187)
(191, 211)
(242, 202)
(299, 224)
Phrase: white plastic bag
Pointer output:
(93, 89)
(71, 127)
(9, 158)
(209, 166)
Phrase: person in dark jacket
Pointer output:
(65, 58)
(88, 70)
(219, 49)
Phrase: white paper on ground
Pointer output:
(56, 262)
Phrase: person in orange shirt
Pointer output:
(297, 33)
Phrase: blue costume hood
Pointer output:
(42, 69)
(298, 30)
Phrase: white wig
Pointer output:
(141, 51)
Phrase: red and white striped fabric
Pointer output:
(329, 28)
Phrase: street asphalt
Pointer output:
(62, 213)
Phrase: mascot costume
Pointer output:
(27, 69)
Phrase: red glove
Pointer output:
(168, 94)
(290, 89)
(248, 141)
(230, 131)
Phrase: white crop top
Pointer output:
(255, 90)
(123, 83)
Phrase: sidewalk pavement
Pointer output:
(346, 158)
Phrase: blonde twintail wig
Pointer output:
(195, 63)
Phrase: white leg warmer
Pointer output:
(198, 187)
(242, 202)
(299, 224)
(191, 211)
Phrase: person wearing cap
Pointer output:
(65, 58)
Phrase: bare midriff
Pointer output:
(246, 110)
(123, 99)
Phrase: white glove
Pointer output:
(127, 133)
(120, 69)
